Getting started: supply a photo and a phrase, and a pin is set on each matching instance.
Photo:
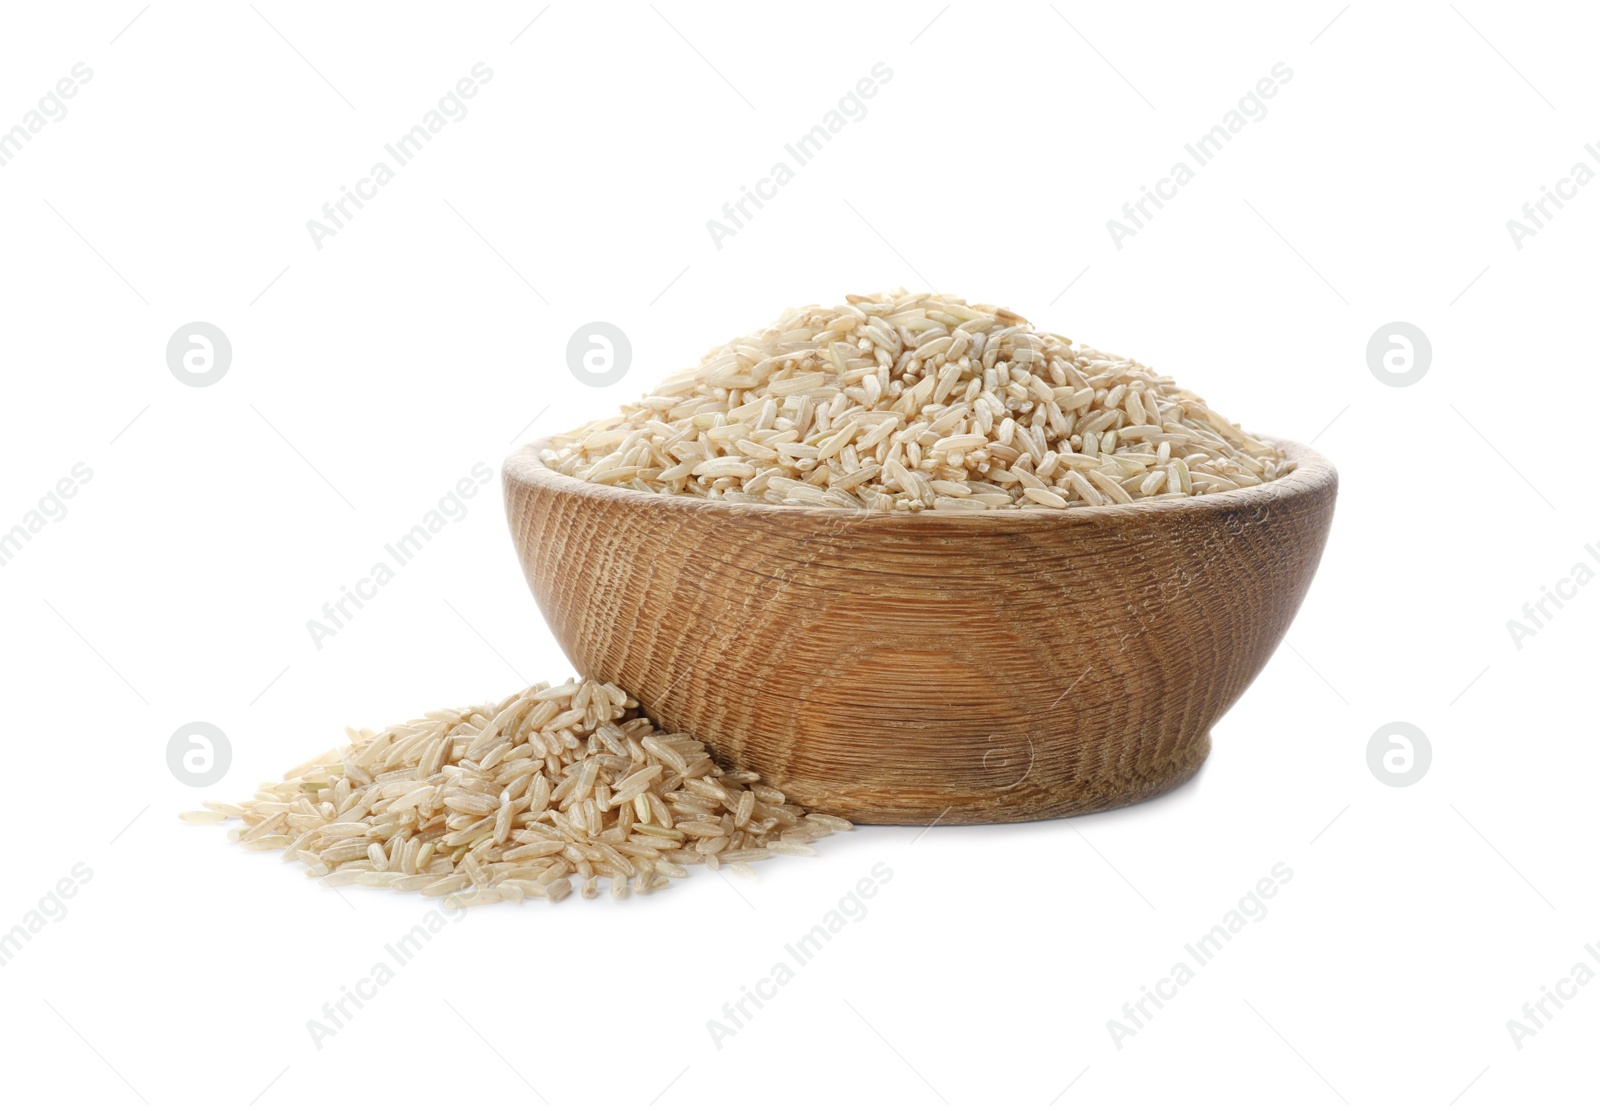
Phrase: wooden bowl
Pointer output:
(905, 668)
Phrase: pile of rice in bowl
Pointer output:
(916, 402)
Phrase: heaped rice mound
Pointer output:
(917, 402)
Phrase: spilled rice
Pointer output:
(553, 788)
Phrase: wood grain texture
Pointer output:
(893, 668)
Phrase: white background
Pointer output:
(428, 335)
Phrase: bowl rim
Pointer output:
(1313, 472)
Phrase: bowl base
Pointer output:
(1027, 801)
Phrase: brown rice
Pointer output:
(917, 402)
(511, 800)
